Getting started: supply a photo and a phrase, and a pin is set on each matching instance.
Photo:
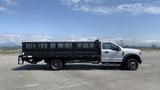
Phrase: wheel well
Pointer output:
(50, 59)
(132, 56)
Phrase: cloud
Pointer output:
(81, 38)
(10, 2)
(106, 7)
(38, 38)
(5, 5)
(16, 39)
(9, 37)
(2, 9)
(152, 41)
(139, 8)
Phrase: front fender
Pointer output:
(126, 57)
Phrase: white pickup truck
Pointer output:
(128, 58)
(57, 54)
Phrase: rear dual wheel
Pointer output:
(56, 64)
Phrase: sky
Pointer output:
(80, 19)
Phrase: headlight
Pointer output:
(140, 53)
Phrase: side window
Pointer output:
(109, 46)
(60, 45)
(27, 46)
(79, 45)
(114, 47)
(52, 45)
(45, 45)
(42, 45)
(68, 45)
(39, 45)
(30, 45)
(91, 45)
(85, 45)
(34, 45)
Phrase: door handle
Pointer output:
(106, 51)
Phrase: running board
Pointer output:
(111, 64)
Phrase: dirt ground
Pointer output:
(80, 76)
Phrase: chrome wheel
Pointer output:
(132, 64)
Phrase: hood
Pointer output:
(131, 50)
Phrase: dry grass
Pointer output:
(9, 52)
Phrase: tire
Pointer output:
(56, 64)
(132, 64)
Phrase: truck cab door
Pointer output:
(111, 52)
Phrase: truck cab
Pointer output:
(113, 53)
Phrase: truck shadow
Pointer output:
(67, 67)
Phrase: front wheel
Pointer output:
(132, 64)
(56, 64)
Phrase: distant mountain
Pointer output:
(14, 40)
